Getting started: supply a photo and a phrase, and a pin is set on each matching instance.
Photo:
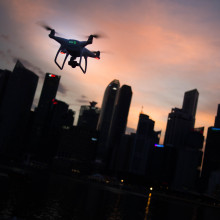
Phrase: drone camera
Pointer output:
(73, 63)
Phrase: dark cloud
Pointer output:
(83, 100)
(62, 89)
(5, 37)
(83, 97)
(4, 56)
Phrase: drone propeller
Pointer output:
(45, 26)
(97, 35)
(108, 52)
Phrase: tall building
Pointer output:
(190, 102)
(189, 161)
(145, 140)
(43, 111)
(118, 124)
(89, 115)
(15, 107)
(181, 121)
(211, 162)
(4, 76)
(48, 93)
(105, 118)
(217, 118)
(57, 121)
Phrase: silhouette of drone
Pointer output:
(74, 48)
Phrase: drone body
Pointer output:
(75, 49)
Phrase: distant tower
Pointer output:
(106, 115)
(48, 93)
(217, 118)
(4, 76)
(181, 121)
(211, 162)
(190, 102)
(15, 107)
(144, 141)
(43, 110)
(119, 122)
(89, 115)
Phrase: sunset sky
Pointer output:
(161, 48)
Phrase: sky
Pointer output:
(161, 48)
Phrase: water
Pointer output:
(60, 197)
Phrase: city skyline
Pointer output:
(161, 49)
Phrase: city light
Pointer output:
(216, 129)
(52, 75)
(158, 145)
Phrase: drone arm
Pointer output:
(89, 41)
(55, 60)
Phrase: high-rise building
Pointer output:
(190, 102)
(89, 115)
(181, 121)
(211, 162)
(43, 111)
(118, 124)
(48, 93)
(189, 160)
(4, 76)
(15, 107)
(217, 118)
(145, 140)
(105, 117)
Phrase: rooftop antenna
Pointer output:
(142, 107)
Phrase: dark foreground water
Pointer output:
(59, 197)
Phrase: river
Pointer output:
(59, 197)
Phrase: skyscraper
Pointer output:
(4, 76)
(190, 102)
(217, 118)
(211, 162)
(106, 116)
(48, 93)
(118, 123)
(89, 115)
(15, 107)
(144, 141)
(181, 121)
(42, 112)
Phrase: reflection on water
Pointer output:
(66, 198)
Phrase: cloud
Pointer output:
(62, 89)
(5, 37)
(83, 100)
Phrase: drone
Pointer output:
(74, 48)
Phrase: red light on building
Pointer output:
(52, 75)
